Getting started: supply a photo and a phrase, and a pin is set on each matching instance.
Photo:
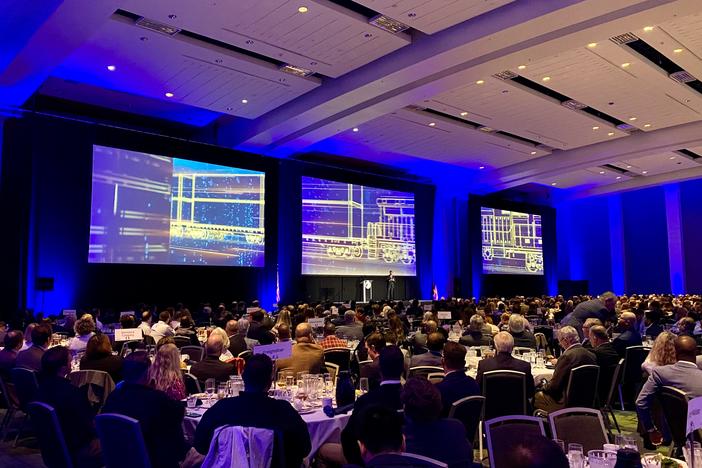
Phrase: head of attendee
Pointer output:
(663, 350)
(421, 400)
(329, 329)
(589, 323)
(284, 332)
(686, 326)
(284, 318)
(380, 432)
(13, 340)
(165, 373)
(41, 334)
(303, 333)
(567, 337)
(223, 335)
(215, 345)
(164, 341)
(242, 326)
(349, 317)
(516, 323)
(477, 323)
(127, 321)
(529, 450)
(84, 326)
(98, 347)
(232, 327)
(435, 342)
(258, 374)
(257, 316)
(627, 320)
(146, 317)
(392, 363)
(429, 327)
(136, 368)
(598, 336)
(375, 342)
(186, 322)
(56, 362)
(609, 300)
(454, 357)
(504, 342)
(685, 349)
(164, 317)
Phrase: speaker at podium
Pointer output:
(367, 288)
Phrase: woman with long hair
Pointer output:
(165, 373)
(662, 353)
(283, 319)
(98, 356)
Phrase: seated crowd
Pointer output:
(393, 339)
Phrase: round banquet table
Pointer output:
(538, 373)
(322, 428)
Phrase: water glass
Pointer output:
(601, 458)
(222, 391)
(625, 442)
(363, 385)
(210, 387)
(191, 401)
(697, 450)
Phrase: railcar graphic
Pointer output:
(511, 242)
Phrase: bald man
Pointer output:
(629, 335)
(683, 375)
(211, 367)
(307, 356)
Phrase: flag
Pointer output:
(277, 285)
(434, 292)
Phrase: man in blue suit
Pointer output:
(456, 383)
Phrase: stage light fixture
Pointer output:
(169, 95)
(546, 78)
(111, 68)
(303, 9)
(592, 45)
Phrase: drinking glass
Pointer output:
(575, 455)
(328, 384)
(282, 381)
(697, 451)
(210, 387)
(191, 401)
(602, 458)
(363, 385)
(222, 391)
(289, 381)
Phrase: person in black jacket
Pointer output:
(160, 418)
(475, 336)
(629, 335)
(519, 331)
(258, 331)
(98, 356)
(456, 383)
(253, 408)
(607, 358)
(211, 367)
(503, 360)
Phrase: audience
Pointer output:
(253, 408)
(435, 343)
(187, 329)
(652, 326)
(160, 418)
(226, 356)
(211, 367)
(374, 345)
(533, 451)
(258, 331)
(456, 384)
(165, 373)
(307, 356)
(238, 341)
(380, 438)
(551, 397)
(351, 329)
(426, 433)
(8, 356)
(73, 410)
(30, 358)
(520, 333)
(145, 325)
(28, 336)
(84, 329)
(162, 328)
(476, 336)
(98, 356)
(601, 308)
(330, 339)
(503, 360)
(662, 352)
(428, 327)
(589, 323)
(629, 336)
(606, 357)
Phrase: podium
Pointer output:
(367, 287)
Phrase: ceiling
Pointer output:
(583, 96)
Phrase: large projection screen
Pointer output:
(350, 229)
(511, 242)
(152, 209)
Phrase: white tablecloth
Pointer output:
(322, 429)
(537, 373)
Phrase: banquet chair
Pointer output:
(54, 452)
(632, 376)
(255, 441)
(674, 404)
(26, 389)
(339, 356)
(99, 385)
(333, 370)
(541, 342)
(181, 341)
(196, 353)
(192, 385)
(423, 371)
(131, 346)
(116, 432)
(9, 398)
(362, 365)
(581, 391)
(469, 411)
(505, 393)
(583, 426)
(435, 377)
(608, 408)
(501, 433)
(245, 354)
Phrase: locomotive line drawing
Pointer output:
(511, 242)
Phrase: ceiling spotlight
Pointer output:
(533, 153)
(546, 78)
(610, 134)
(648, 28)
(111, 67)
(521, 67)
(554, 183)
(244, 101)
(619, 177)
(631, 119)
(671, 158)
(644, 172)
(481, 167)
(628, 167)
(592, 45)
(677, 51)
(595, 127)
(647, 125)
(303, 9)
(464, 113)
(625, 65)
(432, 124)
(480, 82)
(169, 94)
(355, 129)
(602, 172)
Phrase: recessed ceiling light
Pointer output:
(244, 101)
(648, 28)
(111, 67)
(481, 167)
(631, 119)
(595, 127)
(533, 153)
(625, 65)
(677, 51)
(303, 9)
(610, 134)
(521, 67)
(554, 183)
(463, 114)
(480, 82)
(169, 94)
(644, 172)
(602, 172)
(592, 45)
(619, 177)
(432, 124)
(546, 78)
(647, 125)
(671, 158)
(628, 167)
(355, 129)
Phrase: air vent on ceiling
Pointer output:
(625, 38)
(682, 77)
(614, 168)
(573, 104)
(505, 75)
(689, 154)
(297, 71)
(626, 127)
(388, 24)
(155, 26)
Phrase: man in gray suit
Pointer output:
(683, 375)
(351, 328)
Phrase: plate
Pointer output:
(307, 411)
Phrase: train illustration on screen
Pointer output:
(511, 242)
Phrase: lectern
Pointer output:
(367, 287)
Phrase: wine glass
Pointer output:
(210, 388)
(363, 385)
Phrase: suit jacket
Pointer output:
(571, 358)
(505, 361)
(626, 339)
(456, 385)
(239, 343)
(160, 418)
(607, 358)
(475, 339)
(8, 357)
(432, 358)
(588, 309)
(353, 331)
(30, 358)
(257, 410)
(444, 440)
(306, 357)
(387, 395)
(683, 375)
(259, 333)
(524, 339)
(653, 330)
(212, 368)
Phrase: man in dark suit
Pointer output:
(520, 333)
(238, 341)
(160, 418)
(589, 323)
(258, 331)
(551, 397)
(30, 358)
(503, 360)
(392, 363)
(253, 408)
(8, 356)
(606, 356)
(374, 345)
(475, 336)
(600, 308)
(652, 324)
(435, 343)
(73, 410)
(211, 367)
(629, 336)
(456, 383)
